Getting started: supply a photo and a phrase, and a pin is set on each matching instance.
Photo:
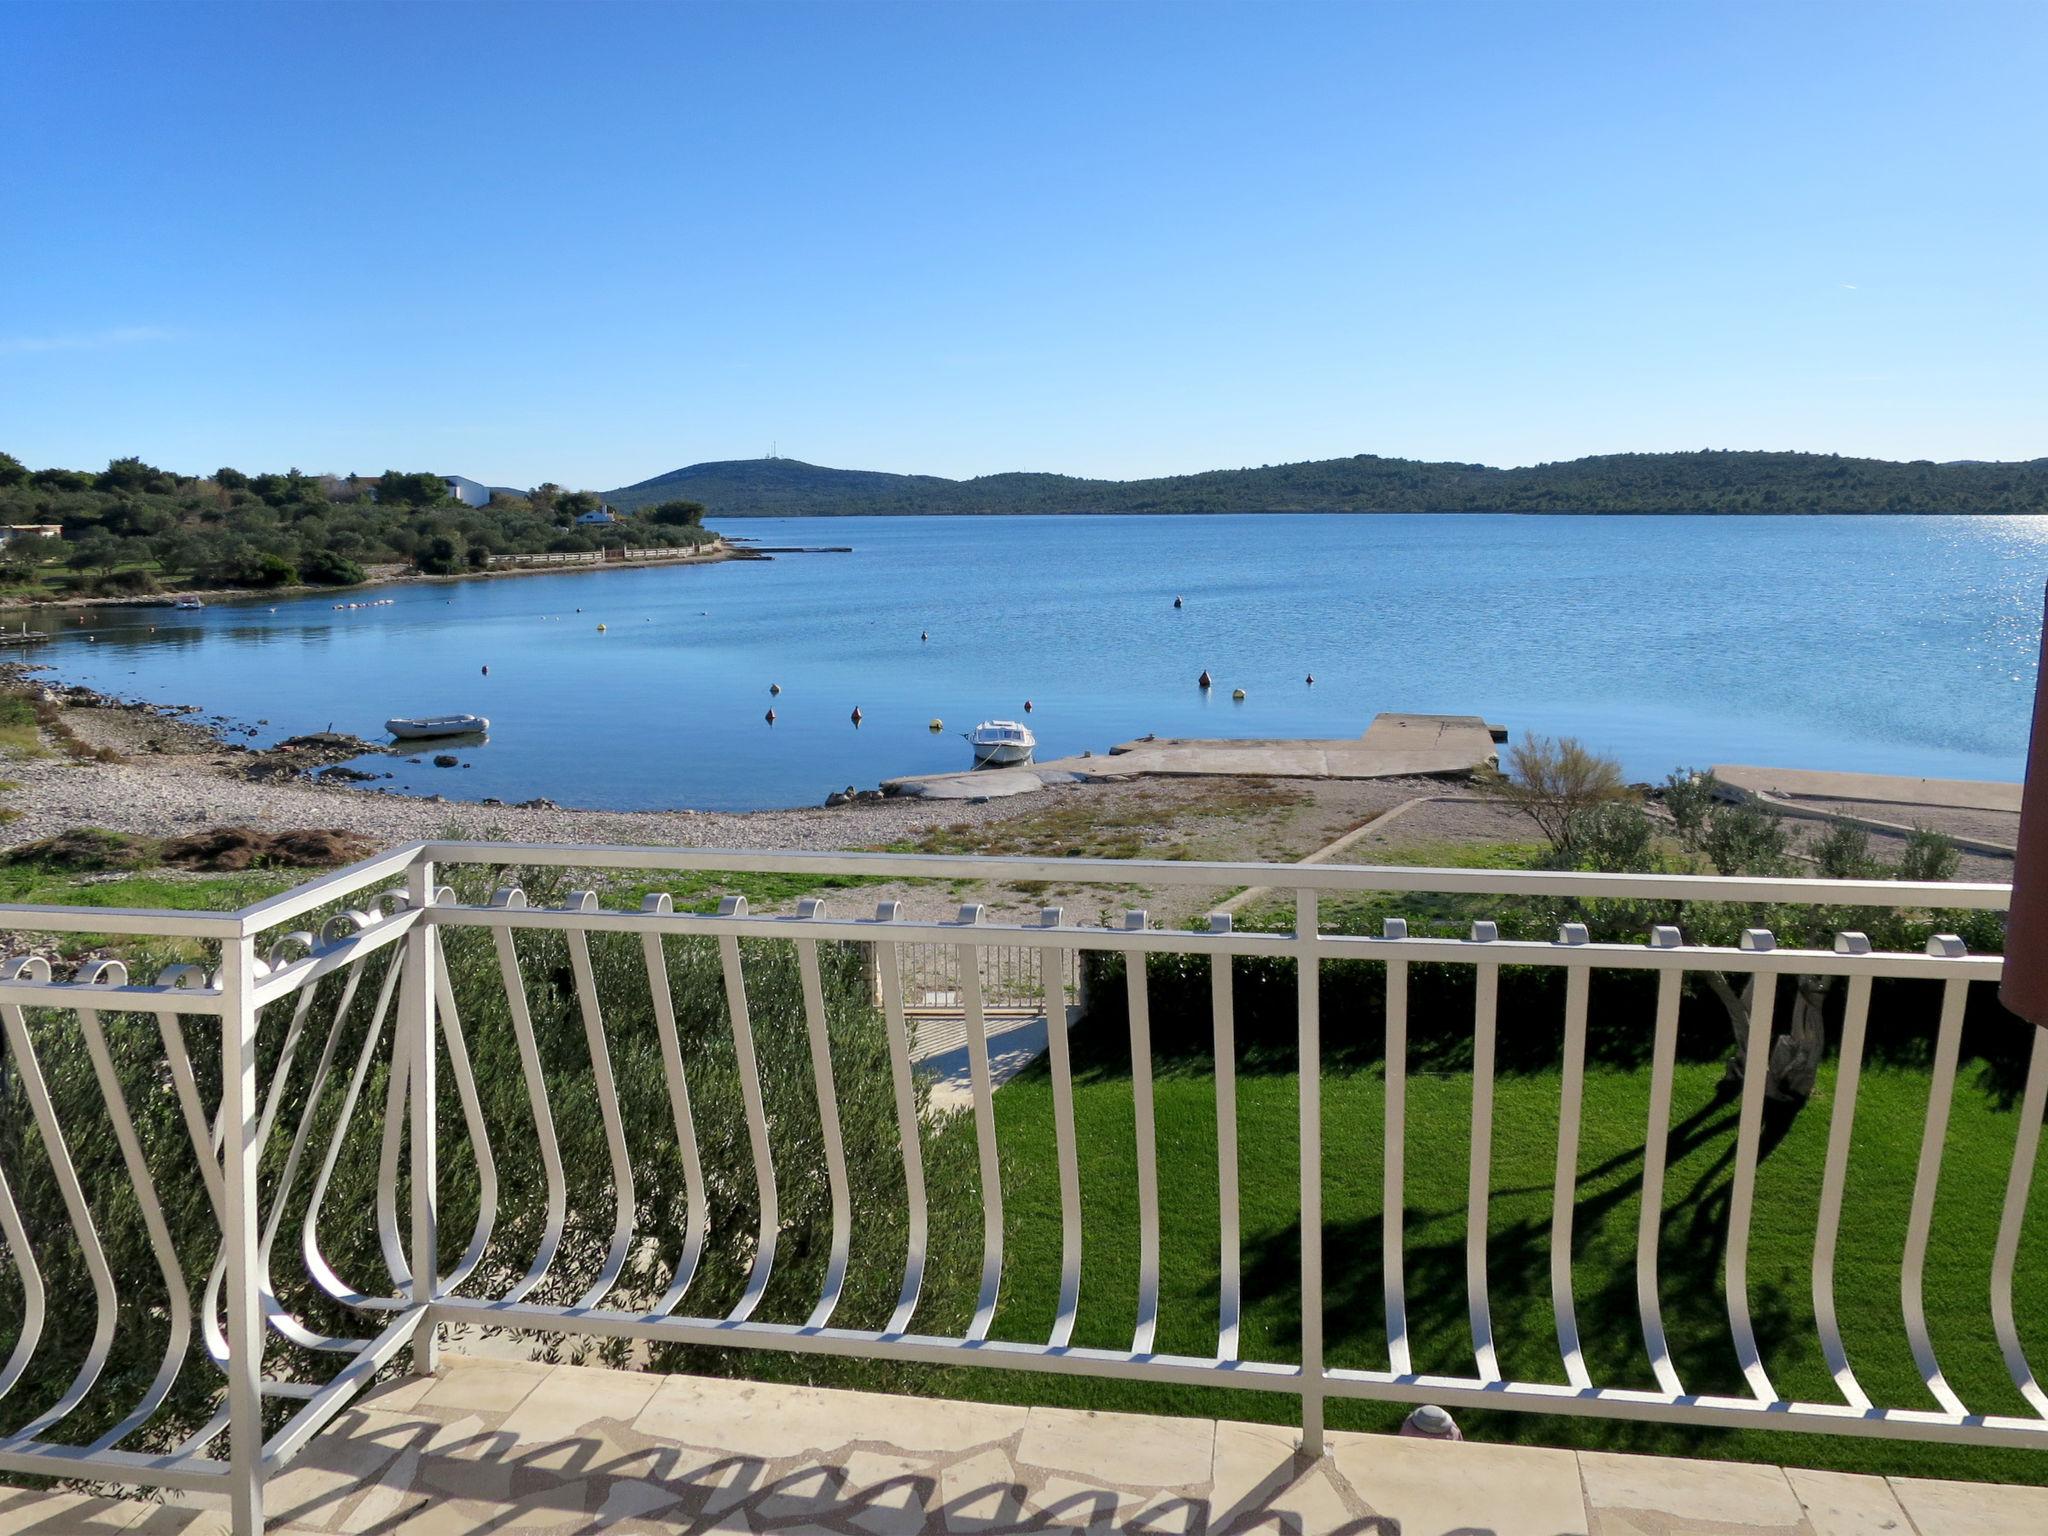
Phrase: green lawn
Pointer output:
(1891, 1104)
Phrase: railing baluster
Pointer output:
(556, 1212)
(479, 1133)
(2026, 1147)
(1742, 1197)
(984, 1131)
(813, 990)
(309, 1242)
(1138, 993)
(607, 1102)
(1927, 1180)
(241, 1168)
(757, 1113)
(105, 1304)
(1393, 1171)
(1565, 1188)
(1479, 1176)
(1834, 1176)
(1060, 1062)
(698, 1221)
(281, 1320)
(178, 1301)
(416, 1092)
(1656, 1150)
(1309, 1127)
(32, 1293)
(1230, 1240)
(889, 973)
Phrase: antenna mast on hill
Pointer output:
(772, 446)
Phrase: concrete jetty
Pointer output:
(1394, 746)
(1883, 788)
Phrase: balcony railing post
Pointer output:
(240, 1153)
(1308, 992)
(416, 1015)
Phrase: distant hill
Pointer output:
(1708, 481)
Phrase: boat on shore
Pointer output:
(1000, 743)
(188, 604)
(426, 727)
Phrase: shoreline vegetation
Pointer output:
(1637, 484)
(136, 531)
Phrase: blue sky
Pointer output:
(593, 243)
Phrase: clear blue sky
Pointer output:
(592, 243)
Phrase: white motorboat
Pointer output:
(1001, 742)
(421, 727)
(188, 604)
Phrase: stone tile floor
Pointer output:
(492, 1446)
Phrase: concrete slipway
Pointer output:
(1395, 746)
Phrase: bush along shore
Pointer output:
(135, 530)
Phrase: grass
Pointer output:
(1891, 1106)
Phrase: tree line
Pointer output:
(1710, 481)
(135, 528)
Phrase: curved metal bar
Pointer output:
(889, 972)
(828, 1119)
(1479, 1175)
(608, 1103)
(1137, 992)
(2026, 1147)
(1656, 1151)
(280, 1319)
(201, 1130)
(1742, 1198)
(75, 1207)
(1841, 1127)
(178, 1302)
(479, 1133)
(990, 1166)
(757, 1114)
(32, 1294)
(1229, 1237)
(536, 1099)
(1565, 1188)
(275, 1315)
(395, 1095)
(1926, 1181)
(698, 1220)
(309, 1237)
(1393, 1179)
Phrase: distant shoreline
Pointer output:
(715, 552)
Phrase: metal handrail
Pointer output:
(377, 963)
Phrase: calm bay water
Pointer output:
(1886, 644)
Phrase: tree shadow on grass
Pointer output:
(1691, 1258)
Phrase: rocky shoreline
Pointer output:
(165, 769)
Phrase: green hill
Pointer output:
(1709, 481)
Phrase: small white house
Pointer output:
(598, 519)
(470, 493)
(11, 532)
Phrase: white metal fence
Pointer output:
(278, 979)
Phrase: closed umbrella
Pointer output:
(2025, 987)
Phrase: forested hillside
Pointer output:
(1709, 482)
(134, 528)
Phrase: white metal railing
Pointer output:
(357, 960)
